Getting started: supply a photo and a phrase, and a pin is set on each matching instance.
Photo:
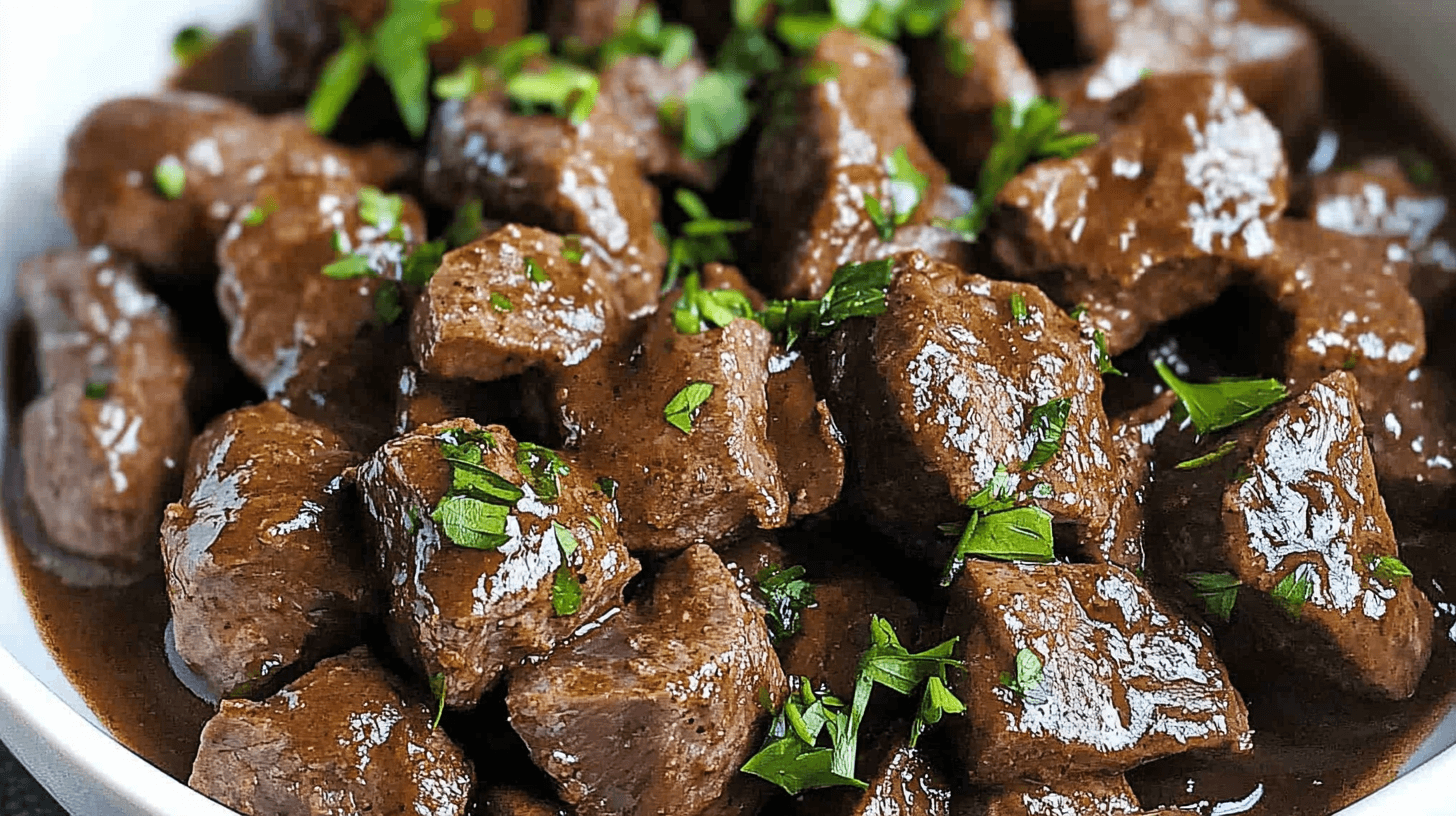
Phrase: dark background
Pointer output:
(20, 795)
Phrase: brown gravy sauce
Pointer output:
(1316, 750)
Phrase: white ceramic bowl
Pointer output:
(58, 60)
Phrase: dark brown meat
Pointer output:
(958, 105)
(1413, 441)
(937, 392)
(587, 23)
(837, 629)
(902, 784)
(1124, 679)
(827, 150)
(512, 802)
(109, 194)
(100, 468)
(470, 613)
(1083, 796)
(1304, 507)
(484, 317)
(806, 442)
(1272, 56)
(265, 573)
(542, 171)
(634, 88)
(654, 712)
(1150, 223)
(420, 399)
(343, 740)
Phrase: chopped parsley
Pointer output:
(567, 91)
(907, 189)
(1419, 169)
(473, 511)
(1387, 569)
(1019, 311)
(1218, 591)
(1026, 681)
(1223, 404)
(339, 80)
(1208, 458)
(349, 267)
(258, 213)
(437, 689)
(957, 54)
(684, 405)
(856, 290)
(170, 177)
(535, 272)
(785, 594)
(882, 223)
(191, 43)
(793, 757)
(749, 53)
(713, 307)
(1048, 425)
(500, 302)
(645, 33)
(387, 306)
(96, 390)
(541, 468)
(1104, 359)
(381, 210)
(1000, 530)
(423, 262)
(467, 224)
(566, 586)
(887, 663)
(571, 249)
(704, 239)
(607, 486)
(1293, 591)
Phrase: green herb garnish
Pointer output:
(1419, 169)
(191, 43)
(1293, 591)
(1218, 590)
(341, 77)
(1000, 530)
(437, 688)
(474, 510)
(565, 587)
(1048, 425)
(1027, 679)
(644, 33)
(535, 272)
(957, 54)
(704, 239)
(1387, 569)
(500, 302)
(466, 225)
(785, 594)
(792, 757)
(96, 390)
(882, 223)
(258, 213)
(715, 307)
(713, 115)
(170, 177)
(1223, 404)
(887, 663)
(684, 405)
(571, 249)
(349, 267)
(541, 468)
(1104, 359)
(1019, 311)
(607, 486)
(423, 262)
(472, 523)
(387, 306)
(856, 290)
(566, 90)
(380, 209)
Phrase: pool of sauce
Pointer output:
(1316, 749)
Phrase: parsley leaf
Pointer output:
(567, 90)
(170, 177)
(500, 302)
(340, 79)
(715, 307)
(1027, 679)
(473, 511)
(437, 689)
(713, 115)
(386, 303)
(876, 211)
(1293, 591)
(349, 267)
(907, 185)
(571, 249)
(191, 43)
(1000, 530)
(400, 48)
(749, 53)
(1208, 458)
(467, 224)
(786, 595)
(957, 54)
(607, 486)
(645, 33)
(802, 32)
(423, 262)
(792, 757)
(684, 405)
(565, 587)
(1104, 359)
(704, 238)
(472, 523)
(1419, 169)
(1219, 591)
(1048, 425)
(856, 290)
(936, 702)
(541, 466)
(1019, 312)
(1223, 404)
(96, 390)
(258, 213)
(379, 209)
(1387, 569)
(535, 272)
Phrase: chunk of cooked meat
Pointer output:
(265, 572)
(904, 783)
(1122, 678)
(342, 740)
(655, 710)
(1151, 222)
(806, 442)
(1080, 796)
(1272, 56)
(514, 802)
(938, 392)
(421, 399)
(468, 613)
(1413, 440)
(110, 195)
(587, 23)
(543, 171)
(635, 88)
(1301, 527)
(826, 151)
(103, 445)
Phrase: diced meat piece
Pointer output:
(103, 446)
(513, 802)
(634, 88)
(109, 191)
(837, 629)
(343, 739)
(510, 302)
(958, 94)
(420, 399)
(902, 784)
(543, 171)
(938, 392)
(1133, 442)
(230, 69)
(265, 572)
(1124, 680)
(469, 613)
(1308, 510)
(1413, 440)
(655, 711)
(802, 431)
(826, 152)
(587, 23)
(751, 556)
(1268, 53)
(1149, 224)
(1082, 796)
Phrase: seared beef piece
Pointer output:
(958, 104)
(420, 399)
(265, 572)
(513, 802)
(837, 629)
(634, 88)
(1080, 796)
(99, 468)
(1304, 507)
(1150, 223)
(587, 23)
(542, 170)
(820, 157)
(1124, 679)
(938, 392)
(655, 710)
(902, 783)
(750, 557)
(484, 317)
(109, 193)
(1413, 441)
(468, 613)
(342, 740)
(1269, 54)
(804, 437)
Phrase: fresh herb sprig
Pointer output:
(856, 290)
(1293, 591)
(699, 307)
(646, 34)
(1223, 404)
(565, 585)
(703, 238)
(1025, 682)
(1388, 569)
(793, 757)
(785, 594)
(1000, 530)
(1217, 590)
(1047, 425)
(683, 407)
(474, 510)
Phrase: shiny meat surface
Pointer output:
(1079, 796)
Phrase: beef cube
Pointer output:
(938, 392)
(1413, 445)
(109, 191)
(806, 442)
(587, 24)
(103, 445)
(468, 612)
(837, 629)
(1268, 53)
(829, 150)
(958, 100)
(902, 784)
(1122, 680)
(635, 88)
(543, 171)
(512, 301)
(1304, 511)
(1150, 223)
(655, 711)
(514, 802)
(1082, 796)
(264, 572)
(342, 740)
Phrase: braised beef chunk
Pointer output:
(805, 439)
(342, 740)
(1413, 440)
(941, 390)
(159, 178)
(1150, 223)
(1079, 796)
(830, 149)
(962, 76)
(654, 711)
(635, 89)
(513, 301)
(1076, 669)
(265, 573)
(1272, 57)
(471, 591)
(543, 171)
(102, 446)
(1294, 515)
(513, 802)
(421, 399)
(903, 783)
